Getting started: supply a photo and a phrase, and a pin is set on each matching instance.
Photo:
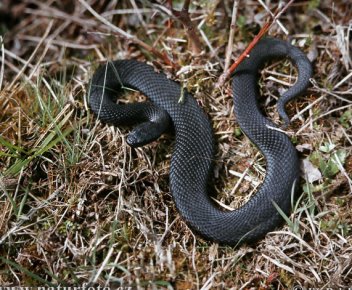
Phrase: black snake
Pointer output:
(194, 147)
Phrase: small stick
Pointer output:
(232, 33)
(246, 52)
(283, 28)
(184, 18)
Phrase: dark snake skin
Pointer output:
(194, 147)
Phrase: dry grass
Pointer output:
(79, 206)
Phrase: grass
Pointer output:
(80, 206)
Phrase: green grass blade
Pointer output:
(13, 148)
(48, 142)
(27, 272)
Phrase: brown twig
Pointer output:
(232, 33)
(255, 40)
(191, 30)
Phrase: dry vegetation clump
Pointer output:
(80, 206)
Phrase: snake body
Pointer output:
(194, 147)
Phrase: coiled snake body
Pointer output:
(194, 148)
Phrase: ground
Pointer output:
(78, 205)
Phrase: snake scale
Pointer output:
(191, 162)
